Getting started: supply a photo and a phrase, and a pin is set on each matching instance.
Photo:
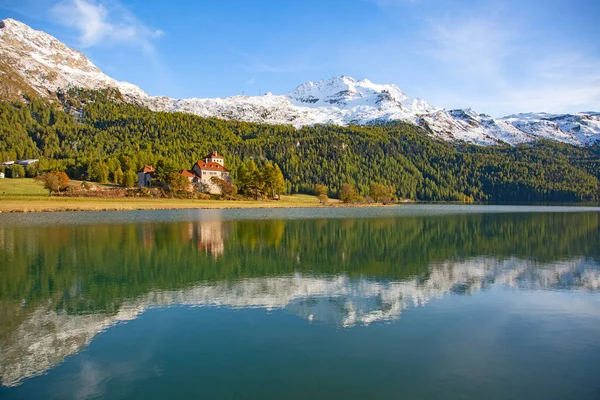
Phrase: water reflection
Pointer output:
(63, 285)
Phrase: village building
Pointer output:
(145, 176)
(25, 163)
(6, 163)
(202, 173)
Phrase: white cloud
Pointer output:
(505, 71)
(474, 45)
(105, 23)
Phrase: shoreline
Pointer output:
(83, 204)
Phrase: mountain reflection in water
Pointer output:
(63, 285)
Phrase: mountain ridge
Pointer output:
(36, 62)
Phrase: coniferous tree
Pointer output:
(118, 175)
(278, 181)
(130, 179)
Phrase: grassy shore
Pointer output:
(26, 195)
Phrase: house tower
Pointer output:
(214, 157)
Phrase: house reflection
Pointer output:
(208, 234)
(210, 237)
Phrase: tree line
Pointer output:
(98, 137)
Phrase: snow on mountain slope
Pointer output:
(47, 66)
(580, 128)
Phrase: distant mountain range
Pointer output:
(33, 62)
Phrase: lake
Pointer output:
(414, 301)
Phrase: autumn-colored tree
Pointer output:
(348, 193)
(380, 193)
(54, 181)
(227, 189)
(320, 189)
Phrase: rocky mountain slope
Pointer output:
(33, 62)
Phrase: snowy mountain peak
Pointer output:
(342, 90)
(35, 62)
(13, 24)
(48, 65)
(42, 47)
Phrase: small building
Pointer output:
(145, 176)
(1, 175)
(25, 163)
(6, 163)
(202, 172)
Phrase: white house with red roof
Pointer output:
(201, 174)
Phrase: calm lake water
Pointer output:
(416, 301)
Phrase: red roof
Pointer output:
(210, 166)
(147, 169)
(188, 174)
(213, 154)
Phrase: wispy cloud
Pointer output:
(566, 82)
(511, 71)
(105, 23)
(475, 45)
(250, 81)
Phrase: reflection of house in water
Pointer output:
(209, 235)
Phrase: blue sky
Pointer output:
(497, 57)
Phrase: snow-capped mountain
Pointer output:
(35, 62)
(48, 65)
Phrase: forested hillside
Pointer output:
(94, 135)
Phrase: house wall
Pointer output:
(144, 179)
(209, 185)
(205, 184)
(218, 160)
